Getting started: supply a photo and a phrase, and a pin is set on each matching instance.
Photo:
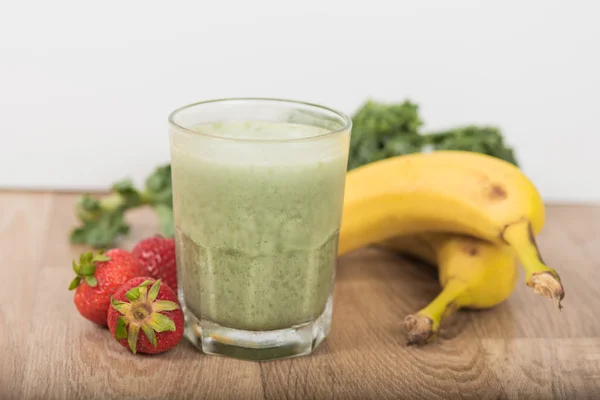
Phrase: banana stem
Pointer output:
(543, 279)
(423, 326)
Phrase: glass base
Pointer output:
(219, 340)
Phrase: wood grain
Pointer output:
(523, 348)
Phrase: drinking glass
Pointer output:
(258, 187)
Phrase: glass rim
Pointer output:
(346, 120)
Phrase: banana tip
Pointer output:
(419, 329)
(548, 284)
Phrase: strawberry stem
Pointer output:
(143, 311)
(86, 269)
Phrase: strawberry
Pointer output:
(150, 306)
(98, 278)
(157, 255)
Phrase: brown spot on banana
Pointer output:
(470, 248)
(497, 192)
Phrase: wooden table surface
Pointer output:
(523, 348)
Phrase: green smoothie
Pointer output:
(257, 224)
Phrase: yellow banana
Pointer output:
(473, 274)
(448, 191)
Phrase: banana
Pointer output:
(448, 191)
(473, 274)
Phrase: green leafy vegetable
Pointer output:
(478, 139)
(380, 131)
(103, 220)
(383, 130)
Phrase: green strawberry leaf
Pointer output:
(143, 292)
(150, 334)
(121, 329)
(153, 293)
(132, 337)
(74, 283)
(120, 306)
(87, 270)
(133, 294)
(161, 323)
(91, 280)
(101, 258)
(87, 257)
(164, 305)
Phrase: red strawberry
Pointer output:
(150, 306)
(157, 254)
(98, 278)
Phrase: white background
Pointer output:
(86, 87)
